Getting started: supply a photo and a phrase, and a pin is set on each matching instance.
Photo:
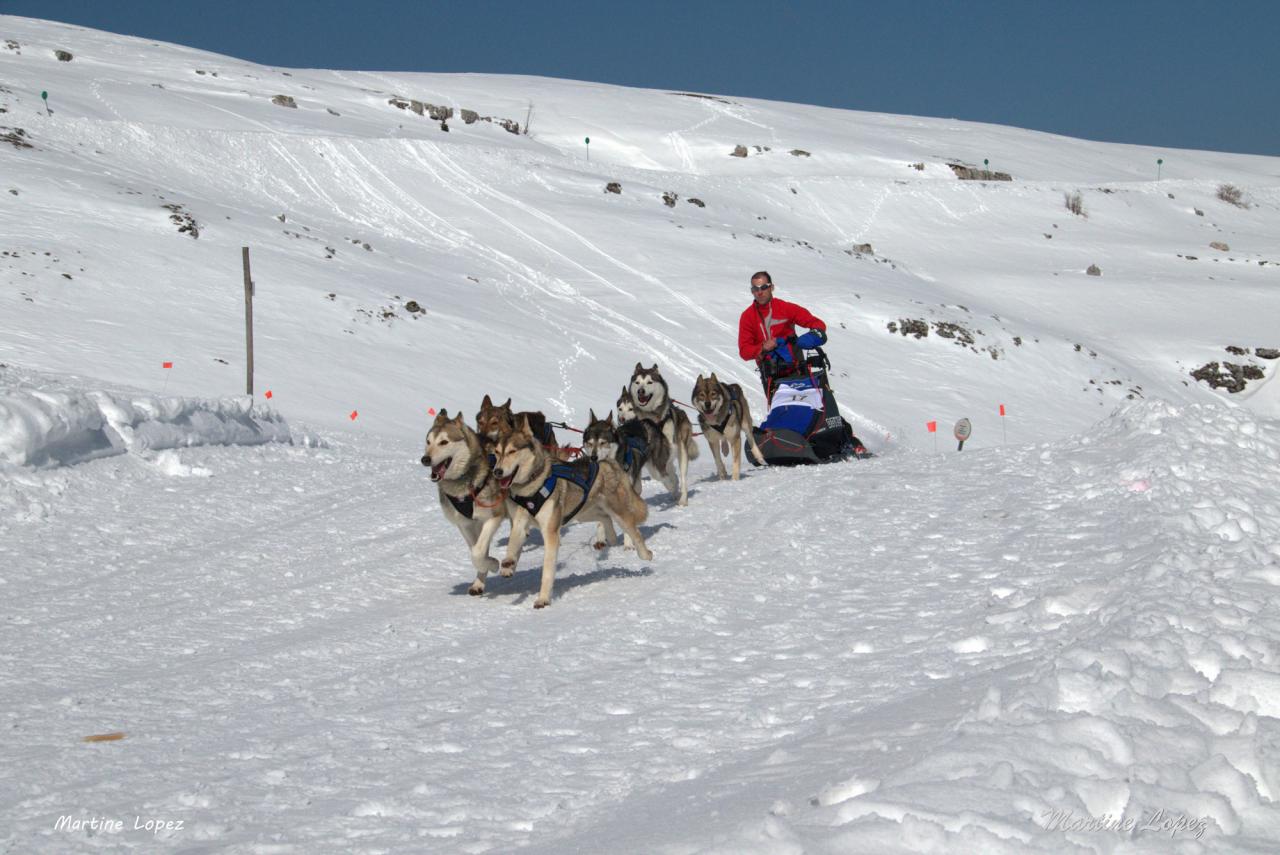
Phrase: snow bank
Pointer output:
(1154, 730)
(40, 427)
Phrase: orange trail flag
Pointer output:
(932, 427)
(268, 393)
(166, 364)
(1002, 409)
(354, 413)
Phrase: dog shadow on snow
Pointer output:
(524, 583)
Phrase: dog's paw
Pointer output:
(682, 502)
(476, 589)
(644, 552)
(540, 603)
(600, 544)
(508, 568)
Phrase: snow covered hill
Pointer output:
(977, 652)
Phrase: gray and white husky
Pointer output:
(725, 418)
(637, 445)
(652, 401)
(469, 494)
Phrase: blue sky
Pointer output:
(1175, 74)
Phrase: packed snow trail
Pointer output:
(289, 648)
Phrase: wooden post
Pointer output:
(248, 322)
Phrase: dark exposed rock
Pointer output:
(739, 151)
(799, 152)
(332, 112)
(284, 101)
(669, 199)
(16, 137)
(910, 326)
(1094, 270)
(613, 187)
(510, 126)
(1237, 351)
(63, 55)
(918, 167)
(1219, 245)
(971, 173)
(864, 248)
(185, 222)
(947, 329)
(695, 201)
(413, 308)
(470, 117)
(1227, 375)
(1266, 353)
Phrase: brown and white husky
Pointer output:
(539, 495)
(469, 494)
(725, 418)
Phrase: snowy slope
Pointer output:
(923, 652)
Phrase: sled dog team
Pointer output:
(510, 467)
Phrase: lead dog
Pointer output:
(469, 494)
(724, 417)
(551, 494)
(653, 402)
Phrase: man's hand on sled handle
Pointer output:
(770, 344)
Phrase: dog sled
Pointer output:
(803, 424)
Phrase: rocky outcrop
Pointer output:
(739, 151)
(972, 173)
(284, 101)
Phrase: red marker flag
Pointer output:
(932, 426)
(1002, 409)
(353, 415)
(166, 364)
(431, 411)
(267, 393)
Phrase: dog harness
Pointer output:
(728, 414)
(635, 449)
(573, 473)
(467, 505)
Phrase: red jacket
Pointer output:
(751, 331)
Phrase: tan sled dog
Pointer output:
(469, 494)
(494, 419)
(724, 417)
(653, 402)
(550, 496)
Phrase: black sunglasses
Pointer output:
(756, 289)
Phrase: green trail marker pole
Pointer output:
(44, 96)
(986, 164)
(588, 142)
(1159, 164)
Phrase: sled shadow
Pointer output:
(524, 584)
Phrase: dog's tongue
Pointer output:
(504, 483)
(437, 471)
(644, 399)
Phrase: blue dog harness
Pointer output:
(581, 474)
